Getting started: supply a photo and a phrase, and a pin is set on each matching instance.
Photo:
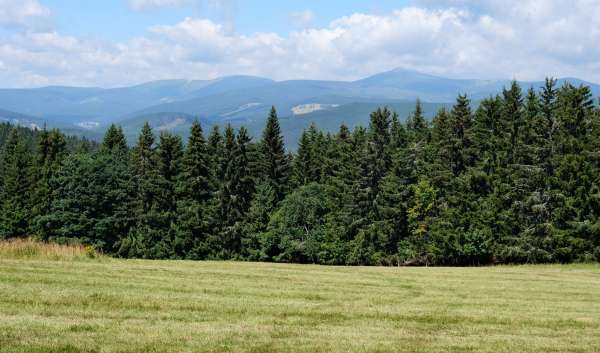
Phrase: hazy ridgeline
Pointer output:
(516, 181)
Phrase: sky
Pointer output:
(113, 43)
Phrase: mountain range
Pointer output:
(241, 100)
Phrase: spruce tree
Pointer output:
(143, 238)
(374, 164)
(256, 222)
(215, 152)
(275, 162)
(513, 117)
(487, 134)
(398, 134)
(244, 184)
(50, 153)
(114, 140)
(14, 210)
(195, 190)
(309, 162)
(302, 161)
(416, 125)
(224, 241)
(460, 148)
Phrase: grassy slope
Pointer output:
(169, 306)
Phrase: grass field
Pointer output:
(104, 305)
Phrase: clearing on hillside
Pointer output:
(91, 305)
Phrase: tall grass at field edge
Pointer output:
(29, 248)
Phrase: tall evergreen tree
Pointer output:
(275, 162)
(14, 210)
(142, 239)
(256, 222)
(195, 192)
(50, 152)
(215, 152)
(513, 116)
(243, 184)
(114, 140)
(488, 133)
(416, 125)
(460, 148)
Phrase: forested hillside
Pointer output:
(515, 181)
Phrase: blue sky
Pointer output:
(113, 19)
(112, 43)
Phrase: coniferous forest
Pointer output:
(513, 178)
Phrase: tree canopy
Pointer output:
(513, 178)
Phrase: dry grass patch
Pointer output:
(28, 248)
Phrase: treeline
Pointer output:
(515, 181)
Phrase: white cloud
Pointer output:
(141, 5)
(450, 38)
(21, 12)
(302, 19)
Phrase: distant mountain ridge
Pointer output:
(240, 100)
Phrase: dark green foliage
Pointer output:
(195, 190)
(256, 222)
(114, 140)
(296, 231)
(416, 124)
(515, 181)
(273, 159)
(309, 163)
(50, 152)
(14, 205)
(89, 201)
(149, 234)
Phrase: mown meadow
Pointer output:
(72, 301)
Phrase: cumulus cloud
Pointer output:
(21, 12)
(525, 39)
(141, 5)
